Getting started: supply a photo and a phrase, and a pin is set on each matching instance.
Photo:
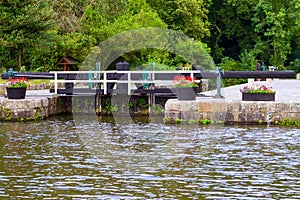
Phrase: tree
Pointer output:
(23, 25)
(186, 16)
(231, 28)
(138, 15)
(276, 22)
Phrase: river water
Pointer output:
(99, 158)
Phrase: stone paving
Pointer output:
(286, 91)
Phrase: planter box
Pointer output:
(258, 97)
(16, 93)
(186, 94)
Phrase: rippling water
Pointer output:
(63, 158)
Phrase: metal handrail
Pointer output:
(129, 80)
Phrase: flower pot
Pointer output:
(16, 93)
(258, 97)
(186, 93)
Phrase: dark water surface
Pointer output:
(63, 158)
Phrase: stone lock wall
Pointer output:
(226, 111)
(34, 108)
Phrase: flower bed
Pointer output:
(186, 87)
(185, 81)
(261, 93)
(16, 88)
(17, 83)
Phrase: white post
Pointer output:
(104, 83)
(129, 82)
(55, 83)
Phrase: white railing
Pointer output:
(129, 81)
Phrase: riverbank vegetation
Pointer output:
(35, 34)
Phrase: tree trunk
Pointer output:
(20, 51)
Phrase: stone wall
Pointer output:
(34, 108)
(219, 110)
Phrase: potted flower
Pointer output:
(261, 93)
(16, 88)
(186, 87)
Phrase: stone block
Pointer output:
(188, 106)
(186, 116)
(45, 102)
(295, 107)
(218, 116)
(233, 106)
(36, 103)
(2, 90)
(281, 107)
(173, 115)
(241, 117)
(229, 117)
(171, 105)
(255, 117)
(205, 106)
(248, 106)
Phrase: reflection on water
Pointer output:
(99, 159)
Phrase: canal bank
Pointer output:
(40, 104)
(231, 108)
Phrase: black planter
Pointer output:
(186, 94)
(16, 93)
(258, 97)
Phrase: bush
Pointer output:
(295, 65)
(228, 64)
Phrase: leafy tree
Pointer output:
(187, 16)
(231, 28)
(276, 22)
(138, 15)
(24, 24)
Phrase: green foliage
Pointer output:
(110, 107)
(230, 28)
(7, 114)
(187, 16)
(229, 64)
(290, 122)
(276, 22)
(206, 121)
(24, 25)
(178, 121)
(248, 60)
(157, 109)
(37, 33)
(295, 65)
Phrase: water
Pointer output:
(63, 158)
